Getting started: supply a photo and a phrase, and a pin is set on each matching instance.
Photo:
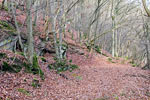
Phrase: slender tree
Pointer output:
(147, 34)
(29, 31)
(3, 4)
(16, 24)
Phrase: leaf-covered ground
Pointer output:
(97, 79)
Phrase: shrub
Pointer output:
(6, 25)
(98, 49)
(5, 8)
(17, 65)
(62, 66)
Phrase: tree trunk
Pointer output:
(147, 34)
(60, 28)
(146, 8)
(29, 31)
(3, 2)
(113, 30)
(16, 24)
(36, 12)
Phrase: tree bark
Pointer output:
(3, 4)
(146, 8)
(16, 24)
(29, 31)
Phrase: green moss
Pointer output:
(1, 26)
(19, 64)
(24, 91)
(113, 17)
(73, 67)
(36, 68)
(27, 67)
(35, 83)
(104, 55)
(11, 32)
(79, 77)
(89, 46)
(62, 66)
(5, 8)
(43, 59)
(133, 63)
(111, 60)
(85, 35)
(64, 45)
(126, 58)
(7, 26)
(15, 67)
(116, 98)
(3, 55)
(98, 49)
(11, 68)
(21, 53)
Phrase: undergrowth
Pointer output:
(43, 59)
(23, 91)
(35, 83)
(36, 68)
(110, 60)
(62, 66)
(6, 25)
(5, 8)
(133, 63)
(98, 49)
(2, 55)
(18, 65)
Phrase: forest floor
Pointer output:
(97, 78)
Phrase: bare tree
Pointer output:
(29, 31)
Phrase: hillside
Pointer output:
(99, 76)
(97, 79)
